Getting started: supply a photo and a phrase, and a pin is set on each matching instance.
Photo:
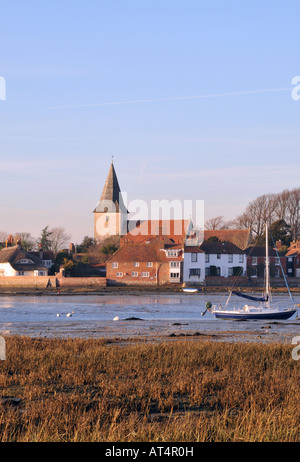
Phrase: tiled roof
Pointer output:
(193, 249)
(259, 251)
(138, 253)
(239, 237)
(149, 229)
(211, 247)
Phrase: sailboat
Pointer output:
(265, 309)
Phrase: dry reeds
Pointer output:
(91, 390)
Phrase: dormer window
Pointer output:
(24, 261)
(172, 253)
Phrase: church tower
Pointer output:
(110, 215)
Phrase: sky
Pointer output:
(192, 98)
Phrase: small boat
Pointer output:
(191, 290)
(266, 309)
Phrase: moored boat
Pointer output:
(266, 309)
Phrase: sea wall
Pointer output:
(38, 282)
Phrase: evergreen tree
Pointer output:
(44, 240)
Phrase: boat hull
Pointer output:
(240, 315)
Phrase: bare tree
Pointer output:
(294, 212)
(59, 239)
(27, 240)
(3, 236)
(215, 223)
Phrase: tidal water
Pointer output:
(138, 316)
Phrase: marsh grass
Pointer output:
(182, 390)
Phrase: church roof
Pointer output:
(111, 198)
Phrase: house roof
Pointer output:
(239, 237)
(147, 230)
(193, 249)
(138, 253)
(294, 248)
(259, 251)
(111, 194)
(13, 254)
(211, 247)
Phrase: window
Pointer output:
(24, 260)
(174, 275)
(195, 272)
(194, 257)
(277, 261)
(241, 258)
(136, 264)
(114, 265)
(277, 273)
(254, 273)
(254, 260)
(134, 274)
(20, 273)
(145, 274)
(218, 256)
(172, 253)
(175, 264)
(206, 258)
(149, 264)
(119, 275)
(230, 271)
(206, 271)
(290, 259)
(230, 258)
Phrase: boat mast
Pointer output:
(267, 267)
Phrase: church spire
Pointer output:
(111, 194)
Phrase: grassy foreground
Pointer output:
(93, 390)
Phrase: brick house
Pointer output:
(154, 262)
(293, 259)
(256, 262)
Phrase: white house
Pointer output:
(223, 259)
(193, 264)
(15, 261)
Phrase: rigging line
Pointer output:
(285, 279)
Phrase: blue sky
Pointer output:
(192, 98)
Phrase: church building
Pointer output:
(110, 215)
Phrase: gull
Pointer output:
(116, 318)
(68, 315)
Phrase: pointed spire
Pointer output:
(111, 193)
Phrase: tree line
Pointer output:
(54, 239)
(281, 211)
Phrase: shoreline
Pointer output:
(132, 290)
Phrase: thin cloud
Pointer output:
(174, 98)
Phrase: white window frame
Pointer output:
(134, 274)
(114, 264)
(119, 274)
(145, 274)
